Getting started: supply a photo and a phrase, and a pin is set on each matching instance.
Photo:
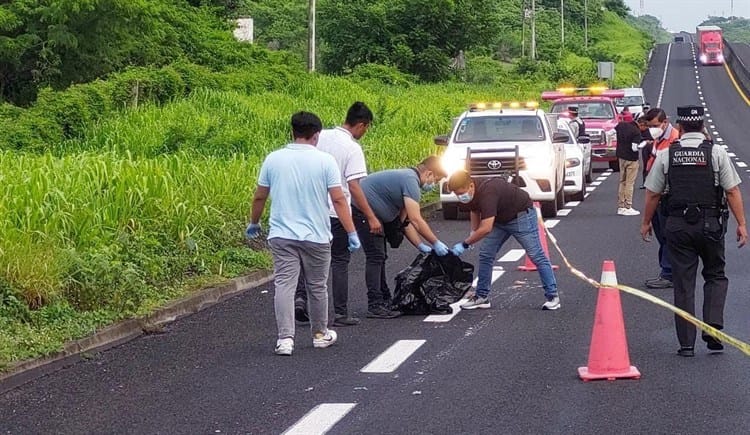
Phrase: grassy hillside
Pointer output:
(124, 193)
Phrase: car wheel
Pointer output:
(450, 211)
(549, 208)
(580, 196)
(614, 165)
(560, 198)
(589, 176)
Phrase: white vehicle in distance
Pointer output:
(578, 168)
(508, 140)
(633, 100)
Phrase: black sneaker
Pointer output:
(340, 320)
(686, 351)
(300, 314)
(712, 343)
(659, 283)
(381, 312)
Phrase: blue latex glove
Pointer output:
(424, 247)
(440, 248)
(252, 231)
(354, 242)
(458, 249)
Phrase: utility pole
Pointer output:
(562, 26)
(586, 23)
(533, 29)
(311, 36)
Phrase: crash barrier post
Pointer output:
(528, 265)
(608, 354)
(738, 68)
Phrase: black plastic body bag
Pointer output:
(431, 283)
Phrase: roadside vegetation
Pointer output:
(736, 29)
(129, 157)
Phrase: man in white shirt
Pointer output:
(341, 143)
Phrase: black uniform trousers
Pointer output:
(376, 253)
(687, 243)
(340, 257)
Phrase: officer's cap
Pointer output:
(689, 114)
(573, 109)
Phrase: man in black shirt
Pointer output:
(499, 210)
(628, 139)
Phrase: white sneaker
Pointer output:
(552, 304)
(284, 346)
(324, 340)
(621, 210)
(475, 302)
(630, 212)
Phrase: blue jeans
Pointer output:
(659, 224)
(525, 229)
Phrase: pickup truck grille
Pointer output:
(495, 166)
(597, 136)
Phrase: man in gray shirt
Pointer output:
(394, 197)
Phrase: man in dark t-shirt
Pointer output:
(628, 139)
(499, 210)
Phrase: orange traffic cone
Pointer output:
(608, 355)
(528, 265)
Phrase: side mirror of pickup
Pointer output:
(559, 138)
(441, 140)
(584, 139)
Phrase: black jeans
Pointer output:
(374, 247)
(687, 243)
(340, 257)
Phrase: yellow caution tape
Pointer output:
(705, 327)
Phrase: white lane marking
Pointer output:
(700, 92)
(699, 87)
(703, 102)
(732, 154)
(320, 419)
(394, 356)
(512, 255)
(596, 183)
(573, 203)
(719, 139)
(564, 212)
(725, 147)
(551, 223)
(497, 272)
(708, 116)
(742, 164)
(590, 189)
(664, 78)
(701, 97)
(586, 195)
(602, 178)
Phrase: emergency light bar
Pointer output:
(476, 107)
(593, 91)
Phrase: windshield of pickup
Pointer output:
(587, 110)
(499, 129)
(634, 100)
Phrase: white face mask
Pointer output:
(656, 132)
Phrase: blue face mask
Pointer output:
(428, 187)
(465, 198)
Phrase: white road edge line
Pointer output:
(664, 78)
(320, 419)
(393, 357)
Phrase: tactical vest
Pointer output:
(581, 127)
(691, 178)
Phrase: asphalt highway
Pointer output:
(508, 369)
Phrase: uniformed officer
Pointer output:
(699, 181)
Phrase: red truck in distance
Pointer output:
(710, 45)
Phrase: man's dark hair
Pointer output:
(655, 113)
(305, 125)
(691, 126)
(358, 112)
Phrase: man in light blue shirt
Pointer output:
(299, 178)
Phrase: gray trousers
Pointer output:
(314, 260)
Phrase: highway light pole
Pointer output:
(586, 23)
(533, 29)
(562, 26)
(311, 36)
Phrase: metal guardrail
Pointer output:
(739, 69)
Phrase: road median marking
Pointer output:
(393, 357)
(320, 419)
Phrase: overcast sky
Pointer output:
(677, 15)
